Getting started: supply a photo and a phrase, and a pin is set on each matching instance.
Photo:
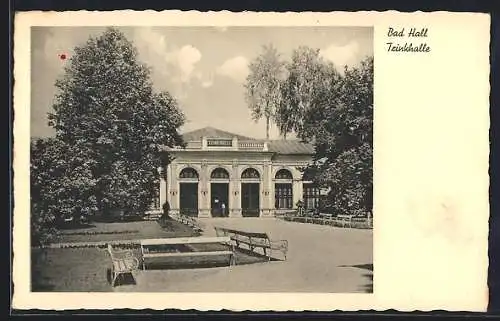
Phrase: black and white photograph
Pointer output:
(201, 159)
(250, 161)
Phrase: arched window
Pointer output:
(310, 192)
(219, 173)
(283, 190)
(283, 174)
(250, 173)
(189, 172)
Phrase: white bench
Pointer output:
(147, 244)
(123, 262)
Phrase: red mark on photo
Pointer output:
(62, 56)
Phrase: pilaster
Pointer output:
(204, 191)
(163, 185)
(235, 191)
(267, 194)
(297, 191)
(173, 192)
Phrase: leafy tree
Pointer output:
(62, 186)
(310, 80)
(335, 113)
(263, 85)
(346, 142)
(107, 111)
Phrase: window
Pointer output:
(283, 196)
(220, 173)
(311, 196)
(283, 174)
(250, 173)
(189, 172)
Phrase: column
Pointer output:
(163, 186)
(204, 191)
(235, 191)
(173, 189)
(168, 182)
(267, 195)
(297, 191)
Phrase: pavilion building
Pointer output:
(221, 174)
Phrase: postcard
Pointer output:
(251, 161)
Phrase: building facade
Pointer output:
(220, 174)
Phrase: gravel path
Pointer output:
(320, 259)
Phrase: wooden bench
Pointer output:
(123, 262)
(254, 240)
(149, 244)
(188, 220)
(191, 222)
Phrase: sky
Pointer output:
(204, 68)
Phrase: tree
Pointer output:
(62, 186)
(310, 81)
(335, 113)
(346, 142)
(263, 85)
(106, 107)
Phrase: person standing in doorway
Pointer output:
(223, 208)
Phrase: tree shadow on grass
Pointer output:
(368, 267)
(368, 287)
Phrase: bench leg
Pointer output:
(115, 277)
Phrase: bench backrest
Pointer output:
(111, 252)
(185, 240)
(259, 235)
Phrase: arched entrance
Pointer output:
(188, 191)
(219, 192)
(250, 193)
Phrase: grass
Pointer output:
(88, 269)
(68, 270)
(125, 231)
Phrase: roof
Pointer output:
(290, 147)
(279, 146)
(211, 132)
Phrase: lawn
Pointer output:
(66, 270)
(88, 269)
(97, 231)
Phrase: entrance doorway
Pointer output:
(219, 199)
(189, 199)
(250, 200)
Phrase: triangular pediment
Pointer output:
(211, 132)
